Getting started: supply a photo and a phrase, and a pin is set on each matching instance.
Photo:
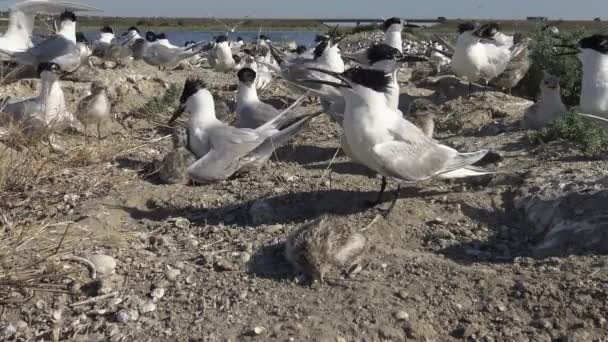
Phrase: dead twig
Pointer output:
(84, 261)
(94, 299)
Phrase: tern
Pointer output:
(225, 150)
(592, 51)
(221, 53)
(157, 54)
(130, 37)
(107, 48)
(94, 109)
(60, 49)
(549, 108)
(21, 22)
(250, 111)
(384, 141)
(482, 53)
(45, 111)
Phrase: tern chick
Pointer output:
(549, 108)
(421, 113)
(94, 109)
(318, 246)
(174, 167)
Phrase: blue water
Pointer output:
(179, 38)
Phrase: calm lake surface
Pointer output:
(179, 38)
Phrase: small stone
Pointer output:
(258, 330)
(182, 223)
(133, 315)
(122, 317)
(402, 315)
(146, 307)
(172, 274)
(7, 332)
(190, 280)
(104, 264)
(245, 257)
(56, 315)
(21, 325)
(224, 266)
(403, 294)
(157, 294)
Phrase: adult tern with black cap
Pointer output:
(593, 53)
(381, 139)
(60, 49)
(47, 111)
(250, 111)
(224, 150)
(483, 52)
(21, 23)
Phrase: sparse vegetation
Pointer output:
(591, 138)
(161, 104)
(544, 56)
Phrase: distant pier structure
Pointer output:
(359, 21)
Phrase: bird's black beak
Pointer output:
(180, 110)
(344, 84)
(329, 83)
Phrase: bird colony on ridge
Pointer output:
(359, 90)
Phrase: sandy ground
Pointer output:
(475, 260)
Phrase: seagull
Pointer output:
(592, 51)
(236, 46)
(224, 150)
(384, 141)
(94, 109)
(482, 53)
(107, 48)
(21, 23)
(60, 49)
(250, 111)
(45, 111)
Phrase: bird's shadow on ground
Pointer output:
(499, 248)
(344, 168)
(287, 208)
(305, 154)
(147, 170)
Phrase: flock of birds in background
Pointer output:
(358, 90)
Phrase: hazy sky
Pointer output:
(566, 9)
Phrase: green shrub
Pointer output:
(544, 56)
(162, 104)
(590, 137)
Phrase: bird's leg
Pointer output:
(85, 133)
(382, 188)
(98, 132)
(485, 87)
(470, 88)
(390, 209)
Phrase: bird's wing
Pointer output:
(445, 43)
(256, 115)
(358, 56)
(52, 7)
(215, 166)
(51, 48)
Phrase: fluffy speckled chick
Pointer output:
(318, 246)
